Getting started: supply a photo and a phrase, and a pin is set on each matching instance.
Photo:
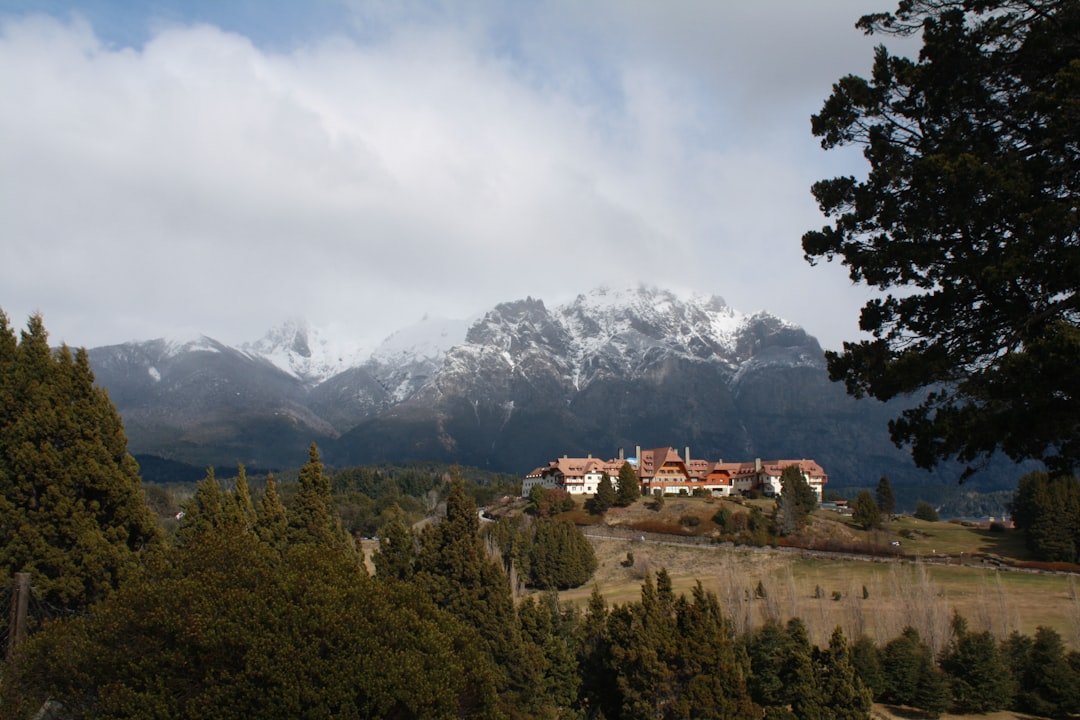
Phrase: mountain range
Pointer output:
(510, 390)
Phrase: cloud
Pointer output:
(425, 159)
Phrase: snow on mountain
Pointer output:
(410, 358)
(428, 340)
(602, 332)
(703, 324)
(310, 354)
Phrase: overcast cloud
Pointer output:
(193, 168)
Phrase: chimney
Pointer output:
(621, 455)
(687, 454)
(757, 464)
(637, 449)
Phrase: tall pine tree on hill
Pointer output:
(312, 518)
(72, 510)
(628, 489)
(455, 571)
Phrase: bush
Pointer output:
(926, 511)
(689, 521)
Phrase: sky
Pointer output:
(179, 167)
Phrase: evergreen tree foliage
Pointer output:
(205, 511)
(242, 509)
(557, 555)
(72, 509)
(272, 520)
(455, 571)
(797, 500)
(911, 677)
(843, 694)
(865, 512)
(233, 629)
(801, 683)
(711, 674)
(628, 488)
(978, 677)
(1047, 509)
(545, 628)
(598, 696)
(396, 556)
(604, 498)
(925, 511)
(967, 221)
(884, 497)
(766, 649)
(1049, 686)
(312, 518)
(866, 659)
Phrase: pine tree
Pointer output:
(1048, 683)
(455, 571)
(541, 625)
(979, 679)
(72, 509)
(843, 693)
(242, 508)
(865, 512)
(797, 500)
(312, 517)
(272, 521)
(604, 498)
(765, 649)
(559, 556)
(628, 488)
(396, 556)
(866, 659)
(804, 694)
(207, 509)
(911, 676)
(886, 500)
(711, 673)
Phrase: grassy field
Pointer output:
(878, 597)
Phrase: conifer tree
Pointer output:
(866, 659)
(242, 508)
(711, 672)
(765, 648)
(559, 556)
(804, 694)
(1049, 684)
(628, 489)
(312, 518)
(272, 521)
(979, 679)
(604, 497)
(396, 556)
(865, 512)
(206, 510)
(541, 625)
(643, 648)
(797, 500)
(911, 677)
(884, 497)
(72, 509)
(843, 693)
(455, 571)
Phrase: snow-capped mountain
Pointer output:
(309, 354)
(509, 390)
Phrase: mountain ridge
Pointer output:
(511, 389)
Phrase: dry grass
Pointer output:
(827, 592)
(891, 712)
